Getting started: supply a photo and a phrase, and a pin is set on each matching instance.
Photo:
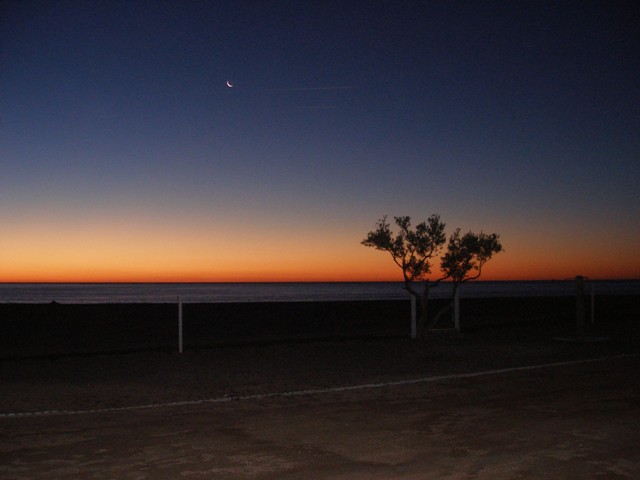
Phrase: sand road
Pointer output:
(575, 420)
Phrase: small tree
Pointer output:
(412, 250)
(464, 258)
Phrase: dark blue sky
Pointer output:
(123, 147)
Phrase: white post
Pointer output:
(593, 305)
(414, 328)
(456, 310)
(179, 324)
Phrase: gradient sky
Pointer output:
(125, 157)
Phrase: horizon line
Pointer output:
(568, 279)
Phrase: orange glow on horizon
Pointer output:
(120, 252)
(374, 271)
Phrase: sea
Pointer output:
(92, 293)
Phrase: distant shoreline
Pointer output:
(105, 293)
(238, 282)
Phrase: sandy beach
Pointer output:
(336, 409)
(506, 401)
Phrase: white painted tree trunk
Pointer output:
(456, 310)
(414, 325)
(179, 324)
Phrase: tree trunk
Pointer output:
(444, 309)
(422, 323)
(579, 306)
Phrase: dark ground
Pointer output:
(508, 401)
(500, 407)
(59, 329)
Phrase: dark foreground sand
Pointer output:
(218, 413)
(573, 420)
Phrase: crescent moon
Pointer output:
(229, 84)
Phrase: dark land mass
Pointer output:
(32, 330)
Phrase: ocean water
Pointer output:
(288, 292)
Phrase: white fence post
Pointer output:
(456, 310)
(414, 328)
(593, 304)
(179, 324)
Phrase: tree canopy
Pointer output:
(413, 250)
(466, 255)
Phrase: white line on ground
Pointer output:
(313, 391)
